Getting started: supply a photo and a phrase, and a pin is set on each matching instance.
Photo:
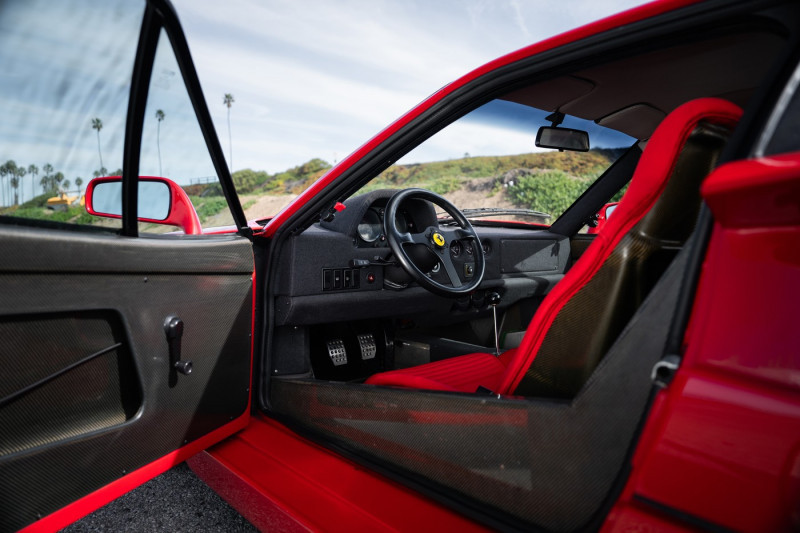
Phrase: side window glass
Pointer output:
(173, 147)
(64, 96)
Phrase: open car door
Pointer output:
(122, 352)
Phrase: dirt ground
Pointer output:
(266, 205)
(477, 193)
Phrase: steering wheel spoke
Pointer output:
(454, 234)
(413, 238)
(450, 269)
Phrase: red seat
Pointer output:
(581, 317)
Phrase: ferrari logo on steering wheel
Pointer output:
(438, 239)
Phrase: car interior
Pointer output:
(386, 318)
(477, 361)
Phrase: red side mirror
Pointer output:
(161, 201)
(602, 216)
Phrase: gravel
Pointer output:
(174, 501)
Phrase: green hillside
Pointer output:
(543, 181)
(584, 165)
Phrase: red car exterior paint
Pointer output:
(317, 489)
(722, 444)
(602, 217)
(181, 210)
(606, 24)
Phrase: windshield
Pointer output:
(488, 166)
(485, 163)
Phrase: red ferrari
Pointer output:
(411, 345)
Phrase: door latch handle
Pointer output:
(173, 327)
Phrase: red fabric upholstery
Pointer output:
(460, 374)
(649, 180)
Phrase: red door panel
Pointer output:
(723, 445)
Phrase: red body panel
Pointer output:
(723, 441)
(181, 209)
(272, 475)
(602, 218)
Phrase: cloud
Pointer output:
(317, 78)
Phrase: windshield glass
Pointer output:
(488, 166)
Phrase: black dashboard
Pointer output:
(342, 269)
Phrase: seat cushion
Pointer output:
(465, 373)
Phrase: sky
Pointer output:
(318, 78)
(310, 78)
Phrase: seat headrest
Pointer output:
(661, 155)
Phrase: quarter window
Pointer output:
(173, 146)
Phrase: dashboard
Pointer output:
(343, 269)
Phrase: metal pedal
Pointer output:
(337, 353)
(367, 344)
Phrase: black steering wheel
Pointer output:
(437, 240)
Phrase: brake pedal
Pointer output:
(368, 347)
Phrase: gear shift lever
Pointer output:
(494, 298)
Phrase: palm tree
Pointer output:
(15, 181)
(14, 184)
(160, 117)
(33, 171)
(228, 100)
(97, 124)
(78, 183)
(3, 173)
(9, 170)
(46, 181)
(66, 184)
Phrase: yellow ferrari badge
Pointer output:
(438, 239)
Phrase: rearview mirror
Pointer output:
(562, 139)
(161, 201)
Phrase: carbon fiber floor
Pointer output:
(174, 501)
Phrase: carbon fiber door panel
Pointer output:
(87, 393)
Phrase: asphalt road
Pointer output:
(174, 501)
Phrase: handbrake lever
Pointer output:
(494, 298)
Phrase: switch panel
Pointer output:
(336, 279)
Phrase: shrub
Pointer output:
(550, 191)
(208, 206)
